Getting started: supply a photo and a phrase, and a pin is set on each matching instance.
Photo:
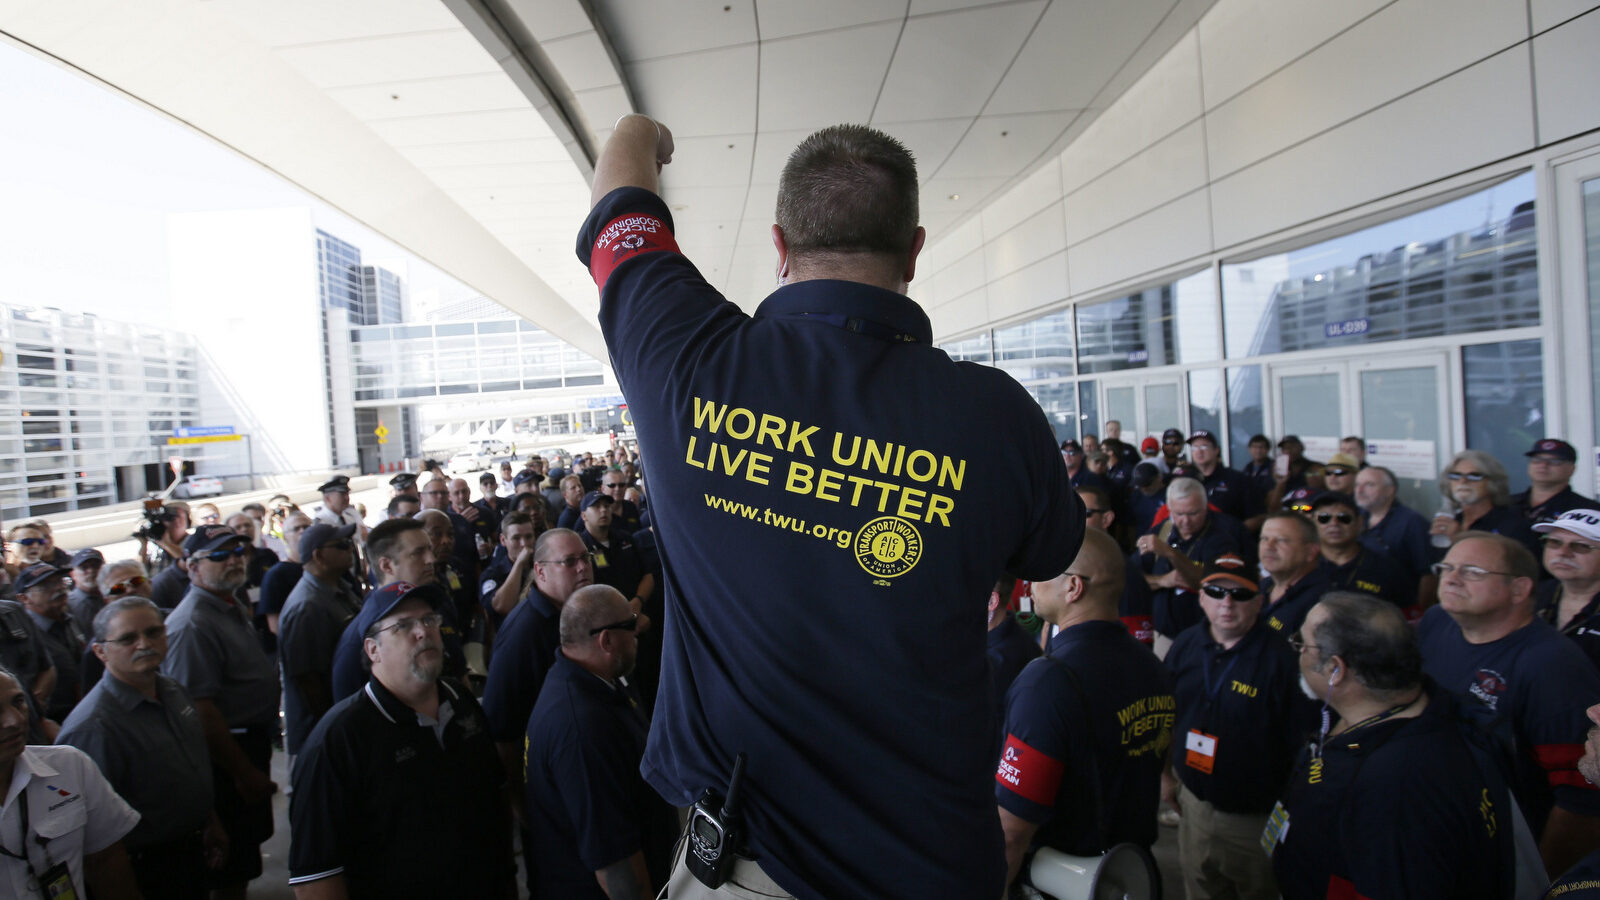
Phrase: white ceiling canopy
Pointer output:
(465, 130)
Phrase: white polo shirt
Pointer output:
(71, 807)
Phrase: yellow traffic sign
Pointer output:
(381, 432)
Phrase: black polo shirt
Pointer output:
(1581, 882)
(1563, 501)
(1583, 628)
(1399, 808)
(1102, 736)
(1502, 520)
(1373, 572)
(1286, 616)
(823, 456)
(66, 643)
(616, 562)
(1231, 492)
(1010, 649)
(524, 650)
(399, 806)
(1403, 534)
(587, 805)
(1247, 700)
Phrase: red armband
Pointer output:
(1028, 773)
(625, 237)
(1560, 764)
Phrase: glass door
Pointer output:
(1405, 417)
(1308, 400)
(1146, 405)
(1577, 313)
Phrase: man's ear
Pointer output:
(782, 246)
(917, 240)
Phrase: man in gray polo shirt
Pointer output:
(213, 652)
(316, 613)
(143, 732)
(42, 590)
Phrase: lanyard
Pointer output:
(22, 813)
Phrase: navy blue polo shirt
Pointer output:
(1581, 882)
(1583, 628)
(1537, 680)
(1141, 508)
(1177, 609)
(1396, 809)
(276, 585)
(1248, 699)
(617, 562)
(1550, 510)
(1507, 521)
(1114, 721)
(524, 650)
(812, 464)
(1010, 649)
(1287, 615)
(1086, 478)
(587, 805)
(1373, 572)
(490, 581)
(1403, 534)
(399, 805)
(1231, 492)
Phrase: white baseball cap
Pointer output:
(1584, 523)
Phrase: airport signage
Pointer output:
(197, 431)
(204, 439)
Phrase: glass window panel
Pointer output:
(1161, 407)
(1245, 417)
(496, 327)
(1041, 348)
(1505, 402)
(1205, 400)
(453, 328)
(1162, 325)
(1311, 405)
(1060, 404)
(1403, 405)
(1463, 266)
(1591, 240)
(1089, 407)
(976, 348)
(1122, 406)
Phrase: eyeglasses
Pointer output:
(1468, 573)
(127, 586)
(152, 634)
(569, 561)
(221, 555)
(1558, 545)
(631, 623)
(1342, 518)
(406, 626)
(1298, 642)
(1547, 461)
(1465, 476)
(1236, 594)
(31, 542)
(1335, 470)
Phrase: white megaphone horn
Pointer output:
(1125, 872)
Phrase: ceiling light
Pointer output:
(955, 196)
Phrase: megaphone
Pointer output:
(1125, 872)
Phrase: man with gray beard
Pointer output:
(411, 752)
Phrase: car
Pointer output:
(201, 486)
(466, 461)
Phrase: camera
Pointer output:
(716, 833)
(156, 519)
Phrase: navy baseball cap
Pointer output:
(558, 473)
(336, 483)
(524, 477)
(39, 573)
(592, 498)
(320, 534)
(1145, 474)
(1229, 567)
(210, 537)
(1551, 447)
(1070, 444)
(383, 601)
(87, 555)
(1203, 435)
(488, 477)
(1299, 497)
(1172, 436)
(1328, 497)
(1291, 439)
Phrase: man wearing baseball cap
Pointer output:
(1072, 454)
(1226, 489)
(1240, 717)
(1550, 493)
(398, 791)
(213, 652)
(1571, 599)
(85, 599)
(313, 618)
(42, 590)
(1172, 441)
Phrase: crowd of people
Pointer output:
(397, 658)
(1358, 701)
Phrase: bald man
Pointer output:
(1088, 725)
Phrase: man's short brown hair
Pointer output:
(849, 189)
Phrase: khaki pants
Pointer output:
(746, 882)
(1221, 853)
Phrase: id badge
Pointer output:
(1277, 829)
(600, 559)
(56, 883)
(1200, 751)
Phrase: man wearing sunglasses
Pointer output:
(1550, 493)
(1483, 640)
(1339, 473)
(598, 829)
(398, 793)
(144, 732)
(1480, 489)
(1240, 717)
(1570, 600)
(1352, 566)
(317, 612)
(212, 651)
